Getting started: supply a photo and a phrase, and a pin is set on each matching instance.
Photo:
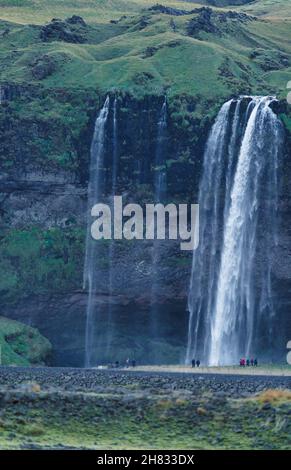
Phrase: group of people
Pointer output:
(248, 362)
(243, 362)
(195, 363)
(128, 363)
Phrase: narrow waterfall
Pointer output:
(230, 297)
(115, 147)
(160, 170)
(160, 189)
(95, 190)
(2, 94)
(115, 156)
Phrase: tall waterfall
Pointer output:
(95, 190)
(111, 254)
(230, 298)
(160, 171)
(160, 188)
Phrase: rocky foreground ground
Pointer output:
(116, 409)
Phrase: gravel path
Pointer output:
(70, 379)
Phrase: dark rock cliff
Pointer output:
(43, 191)
(45, 142)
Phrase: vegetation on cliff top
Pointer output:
(193, 53)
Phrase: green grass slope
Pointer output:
(142, 419)
(21, 345)
(147, 51)
(39, 11)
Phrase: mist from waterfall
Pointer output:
(230, 296)
(95, 190)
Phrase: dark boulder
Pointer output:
(43, 67)
(209, 21)
(75, 19)
(72, 30)
(202, 22)
(158, 8)
(233, 15)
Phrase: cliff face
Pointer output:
(43, 220)
(55, 76)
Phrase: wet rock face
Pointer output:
(62, 319)
(35, 192)
(70, 30)
(44, 203)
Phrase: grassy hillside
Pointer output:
(148, 51)
(131, 416)
(21, 345)
(39, 11)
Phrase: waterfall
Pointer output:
(115, 155)
(95, 190)
(2, 94)
(160, 188)
(115, 147)
(230, 297)
(160, 170)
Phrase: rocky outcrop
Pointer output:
(270, 59)
(70, 30)
(42, 67)
(203, 22)
(210, 21)
(158, 8)
(224, 3)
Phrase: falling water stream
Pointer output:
(95, 190)
(160, 189)
(112, 248)
(230, 294)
